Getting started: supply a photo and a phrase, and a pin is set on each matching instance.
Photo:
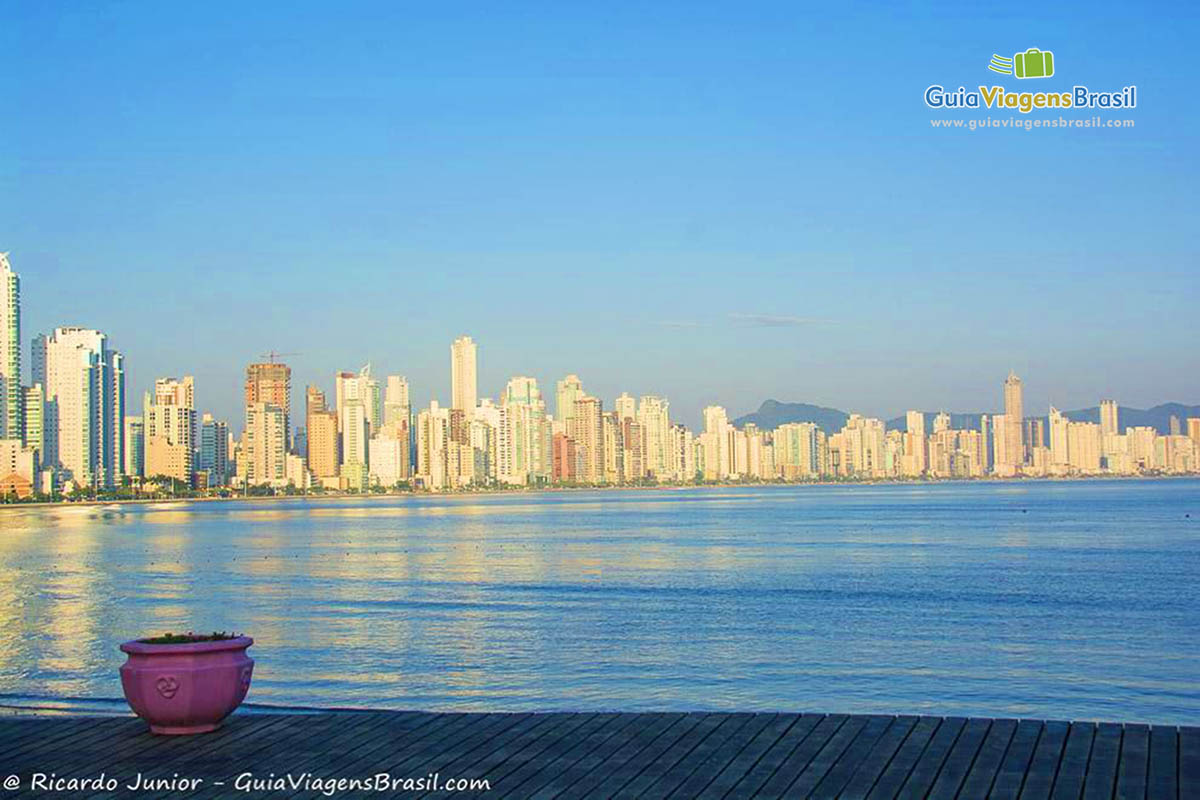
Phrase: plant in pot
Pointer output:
(186, 683)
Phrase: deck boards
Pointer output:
(573, 755)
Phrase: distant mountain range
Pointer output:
(772, 413)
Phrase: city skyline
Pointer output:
(224, 399)
(714, 216)
(69, 429)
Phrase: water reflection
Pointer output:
(1060, 600)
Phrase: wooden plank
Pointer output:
(35, 735)
(775, 756)
(497, 769)
(798, 760)
(751, 755)
(399, 751)
(486, 755)
(1189, 762)
(983, 772)
(1011, 776)
(896, 773)
(611, 725)
(1039, 779)
(716, 742)
(458, 752)
(925, 771)
(1135, 758)
(848, 763)
(706, 768)
(1101, 779)
(343, 738)
(559, 748)
(220, 759)
(1068, 785)
(807, 781)
(1162, 780)
(125, 745)
(876, 762)
(625, 753)
(408, 756)
(960, 760)
(646, 755)
(626, 783)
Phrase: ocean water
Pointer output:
(1073, 600)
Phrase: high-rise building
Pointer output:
(263, 458)
(324, 445)
(569, 389)
(169, 418)
(912, 461)
(1108, 418)
(522, 440)
(396, 403)
(1060, 457)
(653, 416)
(33, 413)
(134, 432)
(84, 413)
(587, 431)
(625, 407)
(433, 435)
(10, 352)
(463, 389)
(271, 383)
(360, 388)
(214, 452)
(1014, 415)
(320, 450)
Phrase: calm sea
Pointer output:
(1075, 600)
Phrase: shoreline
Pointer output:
(604, 488)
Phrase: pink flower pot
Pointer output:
(186, 688)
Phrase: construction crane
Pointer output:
(271, 355)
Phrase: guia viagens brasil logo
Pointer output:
(1028, 64)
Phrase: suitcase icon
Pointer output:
(1034, 63)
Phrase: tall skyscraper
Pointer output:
(84, 413)
(362, 388)
(1014, 415)
(463, 390)
(10, 351)
(214, 451)
(264, 446)
(170, 428)
(1109, 418)
(570, 389)
(653, 416)
(587, 431)
(271, 383)
(397, 407)
(33, 413)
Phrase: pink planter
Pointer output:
(186, 688)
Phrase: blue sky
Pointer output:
(718, 203)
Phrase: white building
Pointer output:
(84, 411)
(11, 400)
(263, 457)
(463, 389)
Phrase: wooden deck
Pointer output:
(619, 755)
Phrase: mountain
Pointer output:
(772, 413)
